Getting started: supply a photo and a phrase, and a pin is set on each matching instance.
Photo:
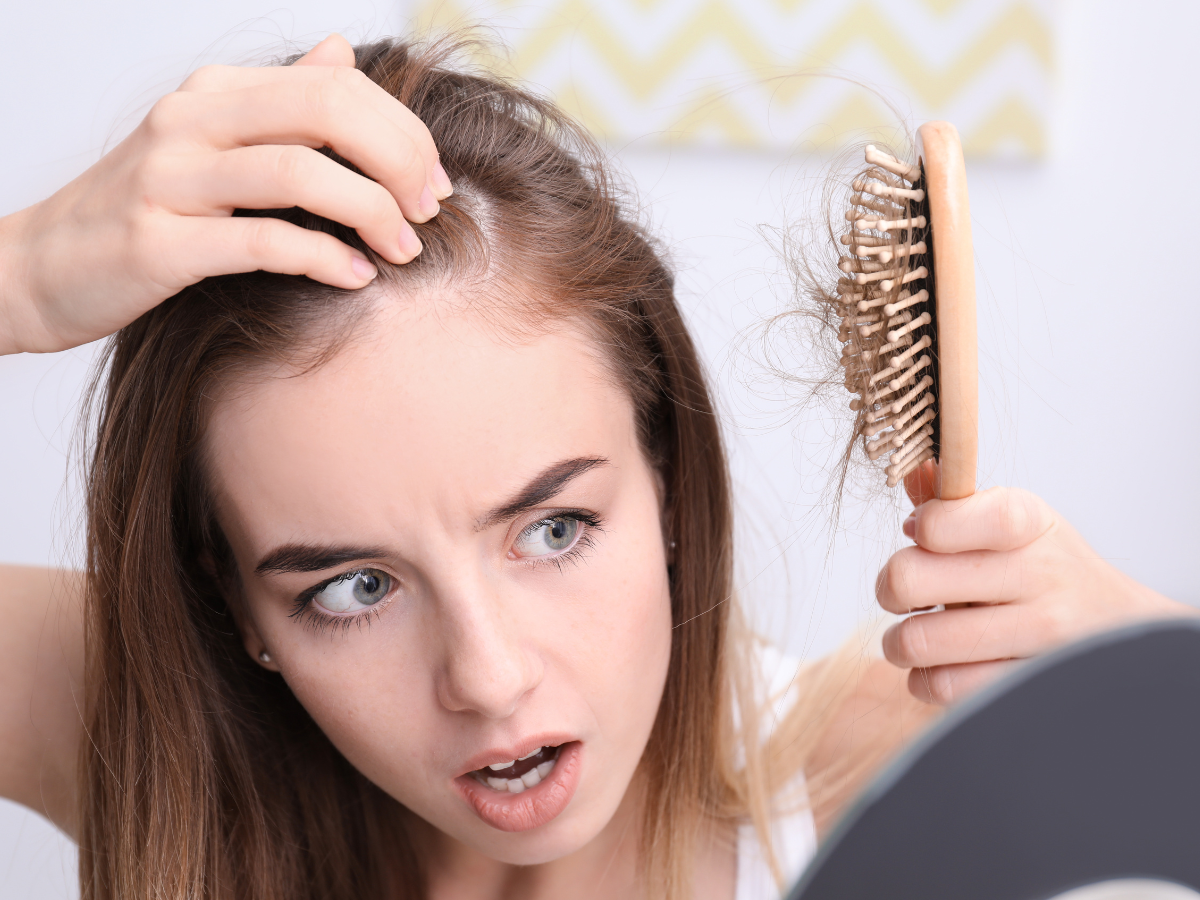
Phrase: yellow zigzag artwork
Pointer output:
(725, 71)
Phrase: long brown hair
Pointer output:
(203, 776)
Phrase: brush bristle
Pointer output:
(888, 309)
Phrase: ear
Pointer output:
(251, 639)
(664, 515)
(254, 643)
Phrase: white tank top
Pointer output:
(793, 834)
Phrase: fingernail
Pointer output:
(428, 203)
(441, 182)
(910, 526)
(410, 244)
(363, 270)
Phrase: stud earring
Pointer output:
(671, 545)
(264, 656)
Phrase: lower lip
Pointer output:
(532, 807)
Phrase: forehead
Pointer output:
(422, 401)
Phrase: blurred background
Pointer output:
(1075, 117)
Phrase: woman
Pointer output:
(411, 578)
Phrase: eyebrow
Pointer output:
(292, 558)
(544, 486)
(311, 558)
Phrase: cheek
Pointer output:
(367, 696)
(621, 644)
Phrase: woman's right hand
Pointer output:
(155, 214)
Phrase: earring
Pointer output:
(671, 546)
(264, 656)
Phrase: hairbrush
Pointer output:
(907, 303)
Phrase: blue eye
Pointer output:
(550, 536)
(354, 591)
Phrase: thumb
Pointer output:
(923, 483)
(335, 50)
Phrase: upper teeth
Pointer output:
(496, 767)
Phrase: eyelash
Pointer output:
(304, 612)
(577, 551)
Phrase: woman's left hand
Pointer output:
(1028, 580)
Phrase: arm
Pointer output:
(156, 213)
(41, 671)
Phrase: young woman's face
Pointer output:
(451, 548)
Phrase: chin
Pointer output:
(568, 834)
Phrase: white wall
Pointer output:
(1088, 308)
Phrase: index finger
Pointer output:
(995, 519)
(306, 74)
(312, 111)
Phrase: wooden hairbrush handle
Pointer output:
(954, 273)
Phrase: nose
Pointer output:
(489, 662)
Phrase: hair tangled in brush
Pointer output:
(814, 345)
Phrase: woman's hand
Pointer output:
(1029, 583)
(154, 215)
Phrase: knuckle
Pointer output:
(1011, 519)
(290, 166)
(910, 643)
(262, 240)
(322, 98)
(166, 114)
(1038, 516)
(331, 95)
(1052, 623)
(939, 683)
(936, 527)
(203, 78)
(920, 685)
(898, 581)
(381, 207)
(352, 78)
(884, 592)
(943, 687)
(409, 161)
(418, 149)
(1020, 516)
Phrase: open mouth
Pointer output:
(520, 794)
(518, 775)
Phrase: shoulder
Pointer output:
(41, 663)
